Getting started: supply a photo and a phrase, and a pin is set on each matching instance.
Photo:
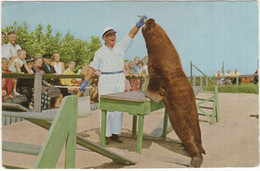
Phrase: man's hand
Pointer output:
(141, 22)
(83, 85)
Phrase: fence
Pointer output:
(202, 78)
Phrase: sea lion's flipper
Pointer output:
(153, 96)
(196, 160)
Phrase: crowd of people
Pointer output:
(230, 78)
(14, 60)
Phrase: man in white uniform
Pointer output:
(109, 59)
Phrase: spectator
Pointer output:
(127, 82)
(70, 82)
(59, 66)
(227, 80)
(83, 71)
(256, 77)
(48, 91)
(235, 73)
(4, 48)
(131, 73)
(49, 69)
(15, 67)
(219, 80)
(135, 66)
(25, 86)
(140, 73)
(12, 47)
(6, 82)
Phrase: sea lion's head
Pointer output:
(153, 33)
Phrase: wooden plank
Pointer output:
(89, 144)
(21, 148)
(12, 106)
(134, 96)
(30, 115)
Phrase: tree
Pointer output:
(39, 42)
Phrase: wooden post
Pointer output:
(190, 69)
(201, 81)
(237, 80)
(143, 84)
(207, 81)
(194, 81)
(37, 92)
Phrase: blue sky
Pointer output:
(206, 33)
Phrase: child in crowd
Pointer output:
(135, 66)
(59, 66)
(15, 67)
(127, 82)
(140, 73)
(6, 82)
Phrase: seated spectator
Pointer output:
(127, 82)
(49, 69)
(227, 80)
(6, 82)
(15, 67)
(219, 80)
(48, 90)
(25, 86)
(59, 66)
(256, 77)
(69, 81)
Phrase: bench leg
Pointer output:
(165, 124)
(134, 125)
(103, 128)
(140, 134)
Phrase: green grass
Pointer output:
(241, 88)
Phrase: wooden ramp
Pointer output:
(43, 119)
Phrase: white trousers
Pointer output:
(113, 83)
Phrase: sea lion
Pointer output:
(168, 82)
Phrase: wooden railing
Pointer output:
(201, 78)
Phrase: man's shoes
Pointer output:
(115, 138)
(107, 140)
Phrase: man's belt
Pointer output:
(116, 72)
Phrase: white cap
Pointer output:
(108, 29)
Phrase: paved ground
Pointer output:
(233, 142)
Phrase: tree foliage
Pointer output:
(42, 41)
